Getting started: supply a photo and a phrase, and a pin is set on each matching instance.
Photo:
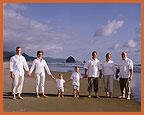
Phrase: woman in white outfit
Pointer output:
(40, 66)
(108, 70)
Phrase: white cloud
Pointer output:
(114, 46)
(109, 29)
(133, 46)
(31, 34)
(130, 44)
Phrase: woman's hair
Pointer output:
(108, 54)
(40, 52)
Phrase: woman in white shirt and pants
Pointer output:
(40, 65)
(108, 70)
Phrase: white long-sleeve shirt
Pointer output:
(124, 66)
(76, 76)
(93, 67)
(18, 64)
(40, 67)
(108, 68)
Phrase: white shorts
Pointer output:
(76, 87)
(60, 88)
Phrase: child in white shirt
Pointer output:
(75, 77)
(60, 85)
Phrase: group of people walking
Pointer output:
(93, 71)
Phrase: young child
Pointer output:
(75, 77)
(60, 85)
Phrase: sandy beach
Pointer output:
(66, 104)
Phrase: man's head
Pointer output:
(39, 54)
(108, 56)
(124, 55)
(18, 50)
(94, 54)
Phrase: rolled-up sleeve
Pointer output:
(131, 64)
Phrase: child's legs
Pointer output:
(62, 91)
(59, 92)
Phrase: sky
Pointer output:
(73, 29)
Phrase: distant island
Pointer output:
(8, 54)
(70, 59)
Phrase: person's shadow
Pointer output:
(8, 95)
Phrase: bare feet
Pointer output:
(37, 96)
(14, 97)
(44, 96)
(89, 96)
(121, 97)
(62, 96)
(128, 98)
(19, 97)
(97, 96)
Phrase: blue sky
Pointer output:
(74, 29)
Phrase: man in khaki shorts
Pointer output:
(94, 68)
(125, 70)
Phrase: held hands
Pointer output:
(85, 76)
(130, 78)
(28, 74)
(100, 75)
(117, 76)
(12, 75)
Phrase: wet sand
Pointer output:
(66, 104)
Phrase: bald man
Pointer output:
(124, 73)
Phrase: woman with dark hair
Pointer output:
(108, 70)
(40, 66)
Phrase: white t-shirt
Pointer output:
(60, 82)
(93, 67)
(108, 68)
(76, 76)
(124, 66)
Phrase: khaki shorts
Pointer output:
(93, 82)
(124, 86)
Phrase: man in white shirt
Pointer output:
(125, 70)
(17, 66)
(94, 68)
(40, 66)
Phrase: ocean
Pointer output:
(135, 83)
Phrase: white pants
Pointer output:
(17, 84)
(40, 81)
